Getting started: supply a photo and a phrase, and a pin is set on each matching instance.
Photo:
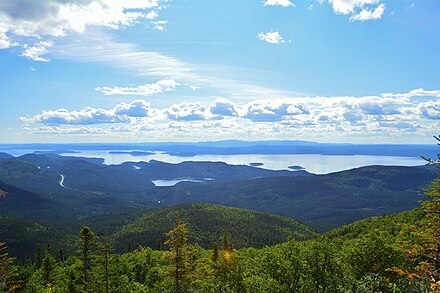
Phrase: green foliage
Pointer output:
(208, 223)
(356, 258)
(8, 271)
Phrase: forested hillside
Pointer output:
(88, 188)
(368, 256)
(208, 223)
(323, 202)
(128, 229)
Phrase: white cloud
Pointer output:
(387, 114)
(159, 24)
(37, 51)
(137, 108)
(223, 107)
(85, 116)
(273, 110)
(186, 112)
(121, 113)
(414, 94)
(143, 90)
(55, 130)
(152, 14)
(430, 110)
(367, 14)
(97, 47)
(30, 20)
(5, 41)
(360, 10)
(283, 3)
(271, 37)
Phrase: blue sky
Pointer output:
(362, 71)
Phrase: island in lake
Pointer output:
(256, 164)
(132, 153)
(55, 152)
(296, 168)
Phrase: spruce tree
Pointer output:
(177, 238)
(86, 253)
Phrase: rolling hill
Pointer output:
(208, 223)
(323, 202)
(127, 229)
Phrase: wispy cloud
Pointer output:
(97, 47)
(143, 90)
(159, 24)
(37, 51)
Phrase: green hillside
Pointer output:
(208, 223)
(322, 202)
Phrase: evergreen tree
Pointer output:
(177, 238)
(215, 253)
(106, 252)
(8, 271)
(86, 253)
(47, 267)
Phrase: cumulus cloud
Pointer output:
(85, 116)
(223, 107)
(143, 90)
(414, 94)
(283, 3)
(360, 10)
(121, 113)
(271, 37)
(383, 114)
(137, 108)
(186, 112)
(28, 20)
(430, 110)
(273, 110)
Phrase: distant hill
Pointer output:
(323, 202)
(82, 187)
(26, 237)
(229, 147)
(5, 156)
(389, 224)
(85, 186)
(207, 224)
(127, 229)
(18, 202)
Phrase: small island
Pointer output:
(131, 153)
(55, 152)
(256, 164)
(296, 168)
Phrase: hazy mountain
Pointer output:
(229, 147)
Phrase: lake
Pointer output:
(314, 163)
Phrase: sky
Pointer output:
(358, 71)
